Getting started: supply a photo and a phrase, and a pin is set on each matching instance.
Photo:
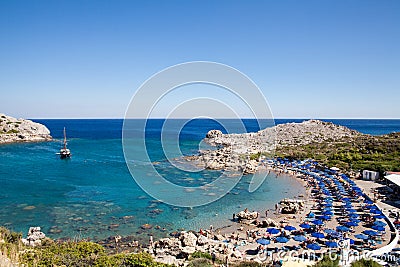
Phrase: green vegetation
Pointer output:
(199, 254)
(12, 131)
(200, 262)
(251, 264)
(10, 243)
(326, 261)
(82, 253)
(378, 153)
(365, 263)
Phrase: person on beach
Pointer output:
(266, 214)
(213, 256)
(233, 217)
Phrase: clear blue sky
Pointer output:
(318, 59)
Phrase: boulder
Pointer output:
(188, 239)
(202, 240)
(34, 238)
(214, 134)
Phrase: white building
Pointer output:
(370, 175)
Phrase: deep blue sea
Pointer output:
(93, 194)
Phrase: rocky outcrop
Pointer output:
(291, 206)
(21, 130)
(34, 238)
(242, 152)
(245, 215)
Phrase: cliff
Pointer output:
(20, 130)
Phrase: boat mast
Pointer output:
(65, 139)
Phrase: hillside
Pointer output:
(332, 145)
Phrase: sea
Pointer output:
(93, 195)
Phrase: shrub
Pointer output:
(327, 262)
(365, 263)
(200, 262)
(199, 254)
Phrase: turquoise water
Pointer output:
(93, 194)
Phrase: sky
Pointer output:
(310, 59)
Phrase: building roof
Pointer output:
(394, 178)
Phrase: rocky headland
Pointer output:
(20, 130)
(242, 152)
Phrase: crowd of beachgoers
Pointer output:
(337, 215)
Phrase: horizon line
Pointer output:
(223, 118)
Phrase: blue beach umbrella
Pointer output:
(263, 241)
(324, 217)
(351, 241)
(378, 228)
(305, 226)
(351, 210)
(342, 228)
(299, 238)
(314, 246)
(281, 239)
(370, 232)
(273, 231)
(318, 222)
(289, 228)
(353, 215)
(351, 223)
(379, 216)
(355, 220)
(318, 235)
(379, 223)
(367, 201)
(327, 212)
(329, 231)
(361, 236)
(331, 244)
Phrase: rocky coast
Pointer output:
(21, 130)
(243, 152)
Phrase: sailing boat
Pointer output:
(64, 151)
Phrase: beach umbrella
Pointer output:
(353, 215)
(378, 228)
(305, 226)
(351, 241)
(331, 244)
(289, 228)
(379, 223)
(355, 220)
(379, 216)
(314, 246)
(375, 211)
(318, 222)
(351, 223)
(327, 212)
(361, 236)
(263, 241)
(342, 228)
(329, 231)
(324, 217)
(367, 201)
(311, 215)
(351, 210)
(273, 231)
(370, 232)
(299, 238)
(281, 239)
(318, 235)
